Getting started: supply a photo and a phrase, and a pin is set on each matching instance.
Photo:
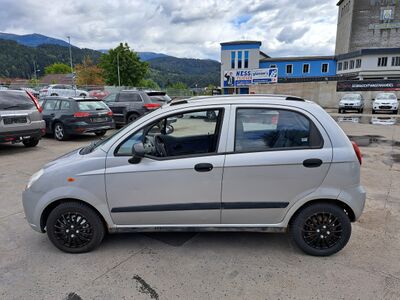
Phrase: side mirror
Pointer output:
(137, 153)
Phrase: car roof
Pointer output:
(71, 98)
(243, 99)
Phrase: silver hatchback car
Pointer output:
(265, 163)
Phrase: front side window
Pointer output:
(263, 129)
(191, 133)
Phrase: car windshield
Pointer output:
(351, 97)
(15, 100)
(92, 105)
(386, 96)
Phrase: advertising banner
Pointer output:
(368, 85)
(233, 78)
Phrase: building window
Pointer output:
(233, 58)
(289, 69)
(382, 61)
(324, 68)
(240, 59)
(340, 66)
(352, 64)
(358, 63)
(306, 68)
(246, 59)
(396, 61)
(272, 66)
(346, 65)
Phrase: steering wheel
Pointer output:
(160, 146)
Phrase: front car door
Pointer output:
(178, 182)
(278, 156)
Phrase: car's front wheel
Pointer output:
(74, 227)
(321, 229)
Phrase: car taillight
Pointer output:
(37, 104)
(81, 114)
(357, 151)
(152, 105)
(110, 113)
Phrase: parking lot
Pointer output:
(207, 265)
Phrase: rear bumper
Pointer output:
(19, 136)
(355, 197)
(83, 127)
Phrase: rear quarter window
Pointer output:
(13, 100)
(261, 129)
(129, 97)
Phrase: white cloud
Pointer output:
(184, 28)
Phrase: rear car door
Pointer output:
(278, 156)
(183, 187)
(49, 112)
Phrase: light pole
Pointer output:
(119, 78)
(70, 61)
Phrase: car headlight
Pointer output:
(34, 178)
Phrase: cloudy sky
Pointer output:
(181, 28)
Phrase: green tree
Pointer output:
(131, 69)
(178, 86)
(57, 68)
(148, 83)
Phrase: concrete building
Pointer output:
(365, 24)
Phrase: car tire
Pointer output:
(396, 111)
(339, 111)
(320, 229)
(131, 118)
(74, 227)
(82, 95)
(362, 110)
(32, 142)
(53, 94)
(373, 111)
(59, 132)
(100, 132)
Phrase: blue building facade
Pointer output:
(241, 56)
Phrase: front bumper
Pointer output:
(385, 106)
(347, 106)
(32, 214)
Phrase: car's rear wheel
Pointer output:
(100, 132)
(53, 94)
(132, 117)
(82, 95)
(32, 142)
(321, 229)
(59, 132)
(74, 227)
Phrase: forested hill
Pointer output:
(17, 61)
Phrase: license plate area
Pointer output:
(15, 120)
(98, 120)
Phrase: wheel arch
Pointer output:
(46, 212)
(347, 209)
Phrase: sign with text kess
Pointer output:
(368, 85)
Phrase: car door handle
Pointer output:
(312, 163)
(203, 167)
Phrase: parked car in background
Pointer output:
(385, 102)
(351, 102)
(63, 90)
(383, 120)
(158, 96)
(287, 166)
(32, 91)
(99, 94)
(129, 105)
(3, 88)
(20, 118)
(70, 116)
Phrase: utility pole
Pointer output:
(70, 61)
(119, 78)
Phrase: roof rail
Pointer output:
(292, 98)
(178, 102)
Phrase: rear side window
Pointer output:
(13, 100)
(92, 105)
(50, 105)
(260, 129)
(65, 105)
(129, 97)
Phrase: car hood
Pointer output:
(385, 101)
(350, 100)
(65, 157)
